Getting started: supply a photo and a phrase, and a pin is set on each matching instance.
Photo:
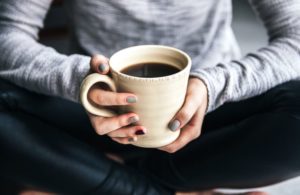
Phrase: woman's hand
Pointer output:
(115, 127)
(190, 117)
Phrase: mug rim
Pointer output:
(151, 79)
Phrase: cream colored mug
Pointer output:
(159, 98)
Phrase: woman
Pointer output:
(251, 105)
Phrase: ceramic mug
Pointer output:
(159, 98)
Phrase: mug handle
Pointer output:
(86, 84)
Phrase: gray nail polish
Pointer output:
(173, 126)
(131, 139)
(132, 119)
(131, 99)
(102, 67)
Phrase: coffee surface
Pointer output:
(150, 70)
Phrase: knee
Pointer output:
(286, 99)
(286, 119)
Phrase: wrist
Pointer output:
(202, 88)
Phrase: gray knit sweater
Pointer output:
(202, 28)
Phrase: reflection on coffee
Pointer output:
(150, 70)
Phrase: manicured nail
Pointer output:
(173, 126)
(133, 119)
(102, 67)
(131, 139)
(139, 132)
(131, 99)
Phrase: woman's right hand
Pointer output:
(119, 128)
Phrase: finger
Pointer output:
(190, 132)
(109, 98)
(99, 64)
(126, 140)
(106, 125)
(194, 98)
(128, 132)
(185, 114)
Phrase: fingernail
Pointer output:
(102, 67)
(173, 126)
(131, 139)
(139, 132)
(131, 99)
(133, 119)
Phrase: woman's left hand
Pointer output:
(190, 117)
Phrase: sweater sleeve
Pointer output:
(272, 65)
(30, 64)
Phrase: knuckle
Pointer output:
(111, 135)
(100, 131)
(99, 128)
(130, 132)
(93, 121)
(120, 99)
(122, 121)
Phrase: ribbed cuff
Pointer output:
(80, 70)
(210, 90)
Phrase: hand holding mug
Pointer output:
(157, 75)
(115, 127)
(190, 117)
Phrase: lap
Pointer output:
(34, 153)
(227, 132)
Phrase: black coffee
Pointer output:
(150, 70)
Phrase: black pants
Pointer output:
(48, 143)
